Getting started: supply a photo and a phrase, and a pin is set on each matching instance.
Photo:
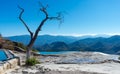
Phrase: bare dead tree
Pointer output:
(34, 35)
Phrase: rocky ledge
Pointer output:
(108, 64)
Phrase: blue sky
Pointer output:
(82, 17)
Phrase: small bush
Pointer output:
(32, 61)
(119, 58)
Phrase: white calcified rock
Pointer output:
(49, 67)
(10, 64)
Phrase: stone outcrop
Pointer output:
(10, 64)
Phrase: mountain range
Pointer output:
(105, 44)
(109, 45)
(46, 39)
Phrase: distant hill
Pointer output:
(45, 39)
(48, 39)
(11, 45)
(109, 45)
(55, 46)
(22, 39)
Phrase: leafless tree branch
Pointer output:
(59, 17)
(20, 17)
(44, 10)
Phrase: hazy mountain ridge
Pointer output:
(45, 39)
(68, 43)
(107, 45)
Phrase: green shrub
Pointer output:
(119, 58)
(32, 61)
(21, 46)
